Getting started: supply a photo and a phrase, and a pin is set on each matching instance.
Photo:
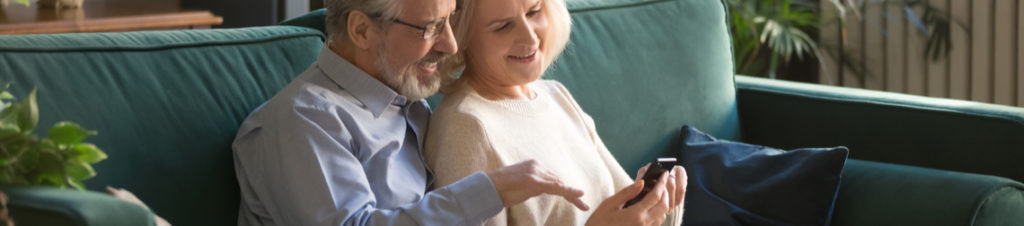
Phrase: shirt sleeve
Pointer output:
(302, 169)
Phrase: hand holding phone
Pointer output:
(654, 172)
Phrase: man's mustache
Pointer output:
(434, 57)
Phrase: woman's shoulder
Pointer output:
(459, 103)
(549, 84)
(558, 93)
(553, 88)
(458, 112)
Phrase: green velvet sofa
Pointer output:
(167, 105)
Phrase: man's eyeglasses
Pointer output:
(430, 30)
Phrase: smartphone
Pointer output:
(658, 167)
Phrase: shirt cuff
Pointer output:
(477, 197)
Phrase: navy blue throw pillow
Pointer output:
(732, 183)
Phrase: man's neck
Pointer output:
(351, 55)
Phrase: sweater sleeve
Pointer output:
(620, 177)
(457, 146)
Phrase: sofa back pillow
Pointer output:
(732, 183)
(641, 68)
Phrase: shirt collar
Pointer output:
(372, 93)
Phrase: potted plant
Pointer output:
(767, 34)
(59, 159)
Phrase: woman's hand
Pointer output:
(678, 193)
(677, 181)
(651, 210)
(524, 180)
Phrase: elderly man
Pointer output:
(340, 145)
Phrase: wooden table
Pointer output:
(103, 15)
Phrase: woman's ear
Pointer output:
(361, 29)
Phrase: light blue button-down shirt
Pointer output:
(338, 147)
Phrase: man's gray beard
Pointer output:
(404, 80)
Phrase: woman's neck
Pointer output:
(493, 90)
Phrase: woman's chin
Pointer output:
(525, 73)
(531, 70)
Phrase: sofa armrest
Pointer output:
(40, 205)
(873, 193)
(881, 126)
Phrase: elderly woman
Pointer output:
(499, 113)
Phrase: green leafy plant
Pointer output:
(60, 159)
(934, 24)
(23, 2)
(768, 33)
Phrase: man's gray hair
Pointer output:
(338, 11)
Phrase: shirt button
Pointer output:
(399, 100)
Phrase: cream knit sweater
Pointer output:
(469, 133)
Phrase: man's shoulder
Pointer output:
(311, 95)
(313, 90)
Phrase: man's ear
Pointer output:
(361, 29)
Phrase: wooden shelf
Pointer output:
(100, 15)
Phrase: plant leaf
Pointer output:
(28, 115)
(8, 130)
(4, 95)
(29, 158)
(912, 17)
(52, 179)
(77, 184)
(9, 120)
(48, 161)
(87, 152)
(78, 170)
(7, 177)
(68, 133)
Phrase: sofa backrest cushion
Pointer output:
(166, 104)
(642, 69)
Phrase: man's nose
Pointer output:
(446, 41)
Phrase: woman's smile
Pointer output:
(527, 58)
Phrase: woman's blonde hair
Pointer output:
(559, 26)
